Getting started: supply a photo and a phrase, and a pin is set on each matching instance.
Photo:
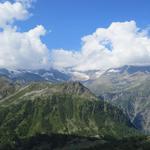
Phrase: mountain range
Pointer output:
(62, 108)
(126, 87)
(27, 76)
(108, 105)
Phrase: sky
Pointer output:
(70, 20)
(81, 34)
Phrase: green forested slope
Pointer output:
(67, 108)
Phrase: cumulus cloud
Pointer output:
(23, 50)
(122, 43)
(61, 58)
(10, 12)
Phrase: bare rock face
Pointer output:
(128, 88)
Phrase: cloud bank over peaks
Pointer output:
(122, 43)
(21, 50)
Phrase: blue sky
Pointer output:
(69, 20)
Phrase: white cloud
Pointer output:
(26, 3)
(120, 44)
(9, 12)
(23, 50)
(64, 58)
(20, 49)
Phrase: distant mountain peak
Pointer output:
(76, 87)
(26, 76)
(130, 69)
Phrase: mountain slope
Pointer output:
(67, 108)
(127, 88)
(136, 102)
(118, 79)
(6, 87)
